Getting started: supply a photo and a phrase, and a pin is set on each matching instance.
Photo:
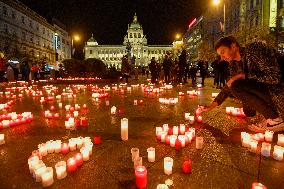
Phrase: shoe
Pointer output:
(276, 127)
(258, 127)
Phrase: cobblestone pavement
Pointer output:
(222, 163)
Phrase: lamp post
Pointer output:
(216, 3)
(74, 39)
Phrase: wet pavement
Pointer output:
(222, 163)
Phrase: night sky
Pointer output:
(108, 19)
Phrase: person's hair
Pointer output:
(226, 41)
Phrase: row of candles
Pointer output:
(168, 100)
(44, 174)
(192, 118)
(16, 119)
(235, 111)
(252, 141)
(7, 105)
(178, 136)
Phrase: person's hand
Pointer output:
(234, 78)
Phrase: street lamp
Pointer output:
(177, 36)
(73, 39)
(216, 3)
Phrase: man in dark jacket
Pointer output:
(256, 81)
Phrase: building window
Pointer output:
(130, 35)
(139, 35)
(13, 15)
(5, 12)
(135, 36)
(91, 51)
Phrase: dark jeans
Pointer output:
(255, 96)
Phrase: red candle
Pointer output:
(186, 166)
(141, 176)
(71, 109)
(257, 185)
(52, 108)
(79, 159)
(71, 165)
(77, 123)
(198, 112)
(84, 106)
(170, 131)
(84, 122)
(56, 115)
(186, 140)
(158, 136)
(167, 138)
(199, 119)
(97, 139)
(64, 148)
(177, 144)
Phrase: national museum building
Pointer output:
(111, 54)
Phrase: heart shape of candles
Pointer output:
(45, 174)
(177, 136)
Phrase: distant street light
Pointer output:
(73, 39)
(177, 36)
(216, 3)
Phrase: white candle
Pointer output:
(60, 105)
(162, 186)
(268, 136)
(76, 113)
(113, 110)
(181, 138)
(199, 142)
(42, 149)
(166, 127)
(124, 129)
(47, 177)
(79, 142)
(86, 153)
(57, 146)
(49, 146)
(278, 153)
(134, 153)
(38, 172)
(151, 154)
(2, 140)
(173, 140)
(280, 141)
(228, 110)
(182, 128)
(107, 103)
(60, 169)
(186, 116)
(191, 119)
(246, 138)
(33, 161)
(168, 165)
(72, 144)
(189, 135)
(265, 149)
(158, 130)
(253, 146)
(175, 130)
(135, 102)
(137, 162)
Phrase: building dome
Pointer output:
(92, 41)
(135, 24)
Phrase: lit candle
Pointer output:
(32, 161)
(151, 154)
(137, 161)
(162, 186)
(60, 169)
(76, 113)
(268, 136)
(186, 116)
(186, 166)
(141, 176)
(60, 105)
(168, 165)
(38, 172)
(107, 103)
(173, 140)
(79, 159)
(278, 153)
(256, 185)
(280, 141)
(181, 138)
(191, 119)
(228, 110)
(175, 130)
(71, 165)
(72, 144)
(199, 142)
(64, 148)
(246, 138)
(42, 149)
(135, 102)
(265, 149)
(199, 119)
(182, 129)
(124, 129)
(86, 154)
(2, 140)
(97, 139)
(253, 146)
(47, 177)
(113, 110)
(134, 153)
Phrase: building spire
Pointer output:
(135, 18)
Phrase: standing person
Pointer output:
(256, 81)
(167, 63)
(10, 73)
(2, 68)
(203, 71)
(25, 70)
(125, 68)
(192, 72)
(153, 69)
(181, 65)
(216, 71)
